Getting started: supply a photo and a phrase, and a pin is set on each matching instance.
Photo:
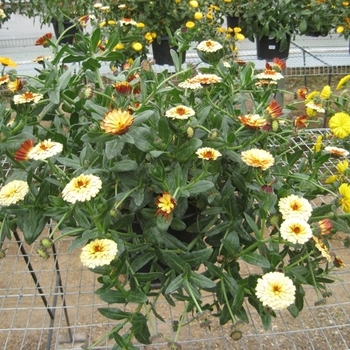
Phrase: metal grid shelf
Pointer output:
(26, 323)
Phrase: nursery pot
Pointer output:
(59, 27)
(161, 52)
(268, 49)
(232, 21)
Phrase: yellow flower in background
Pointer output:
(340, 124)
(344, 201)
(326, 92)
(5, 61)
(198, 16)
(193, 3)
(98, 253)
(137, 46)
(311, 96)
(119, 46)
(166, 203)
(140, 25)
(342, 82)
(330, 180)
(275, 290)
(107, 23)
(190, 24)
(310, 112)
(340, 29)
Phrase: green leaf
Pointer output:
(199, 187)
(256, 260)
(112, 56)
(197, 257)
(140, 329)
(95, 38)
(172, 260)
(112, 297)
(136, 296)
(115, 313)
(31, 224)
(188, 149)
(201, 281)
(175, 284)
(91, 64)
(252, 224)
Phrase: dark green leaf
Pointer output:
(201, 281)
(115, 313)
(256, 260)
(140, 329)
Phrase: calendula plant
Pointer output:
(168, 183)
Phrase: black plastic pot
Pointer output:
(59, 27)
(232, 21)
(268, 49)
(161, 52)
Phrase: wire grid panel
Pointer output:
(71, 320)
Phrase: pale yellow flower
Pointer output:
(258, 158)
(208, 153)
(336, 151)
(206, 79)
(179, 112)
(98, 253)
(344, 200)
(326, 92)
(27, 97)
(322, 248)
(82, 188)
(190, 84)
(253, 120)
(295, 207)
(209, 46)
(137, 46)
(315, 106)
(342, 166)
(295, 230)
(13, 192)
(45, 149)
(275, 290)
(342, 82)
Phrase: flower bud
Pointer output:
(236, 335)
(2, 254)
(43, 252)
(213, 134)
(46, 243)
(190, 132)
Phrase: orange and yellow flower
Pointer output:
(117, 122)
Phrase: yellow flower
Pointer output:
(239, 37)
(198, 16)
(148, 36)
(342, 82)
(5, 61)
(344, 201)
(322, 248)
(326, 92)
(137, 46)
(98, 253)
(331, 179)
(116, 122)
(166, 204)
(318, 144)
(190, 24)
(119, 46)
(340, 124)
(311, 96)
(140, 25)
(107, 23)
(258, 158)
(340, 29)
(193, 3)
(342, 166)
(310, 112)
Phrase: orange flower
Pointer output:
(22, 153)
(117, 122)
(279, 64)
(274, 109)
(301, 121)
(301, 93)
(43, 40)
(15, 85)
(123, 87)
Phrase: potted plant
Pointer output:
(59, 13)
(272, 24)
(5, 12)
(126, 163)
(316, 18)
(342, 19)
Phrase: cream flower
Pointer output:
(45, 149)
(13, 192)
(27, 97)
(98, 253)
(258, 158)
(295, 230)
(336, 151)
(206, 79)
(209, 46)
(190, 84)
(275, 290)
(82, 188)
(270, 75)
(315, 106)
(295, 207)
(208, 153)
(180, 112)
(253, 120)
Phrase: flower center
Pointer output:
(296, 229)
(180, 111)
